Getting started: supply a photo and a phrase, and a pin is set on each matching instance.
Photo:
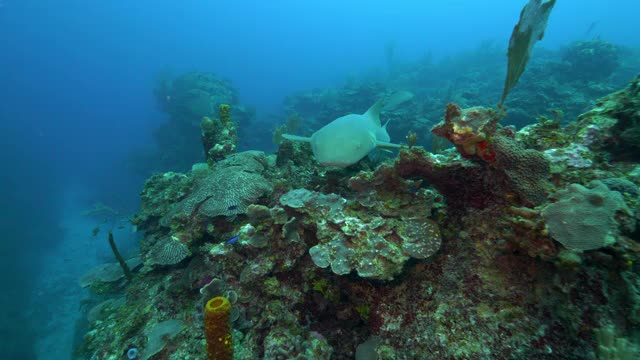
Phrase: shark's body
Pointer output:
(347, 139)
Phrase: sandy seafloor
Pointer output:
(58, 298)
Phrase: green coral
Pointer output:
(547, 133)
(328, 291)
(364, 311)
(611, 346)
(224, 114)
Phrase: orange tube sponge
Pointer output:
(217, 327)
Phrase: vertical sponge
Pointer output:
(217, 326)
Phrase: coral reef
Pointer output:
(349, 239)
(613, 124)
(160, 193)
(107, 273)
(469, 79)
(509, 245)
(511, 169)
(226, 190)
(596, 57)
(192, 100)
(219, 137)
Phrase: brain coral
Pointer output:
(526, 169)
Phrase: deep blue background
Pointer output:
(77, 76)
(76, 81)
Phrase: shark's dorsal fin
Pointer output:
(374, 112)
(296, 138)
(394, 100)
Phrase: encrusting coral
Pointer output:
(376, 246)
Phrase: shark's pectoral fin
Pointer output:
(391, 146)
(296, 138)
(388, 145)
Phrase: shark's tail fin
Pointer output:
(374, 111)
(296, 138)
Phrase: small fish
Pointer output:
(233, 240)
(95, 231)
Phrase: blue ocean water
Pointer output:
(76, 100)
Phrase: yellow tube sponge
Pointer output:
(217, 327)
